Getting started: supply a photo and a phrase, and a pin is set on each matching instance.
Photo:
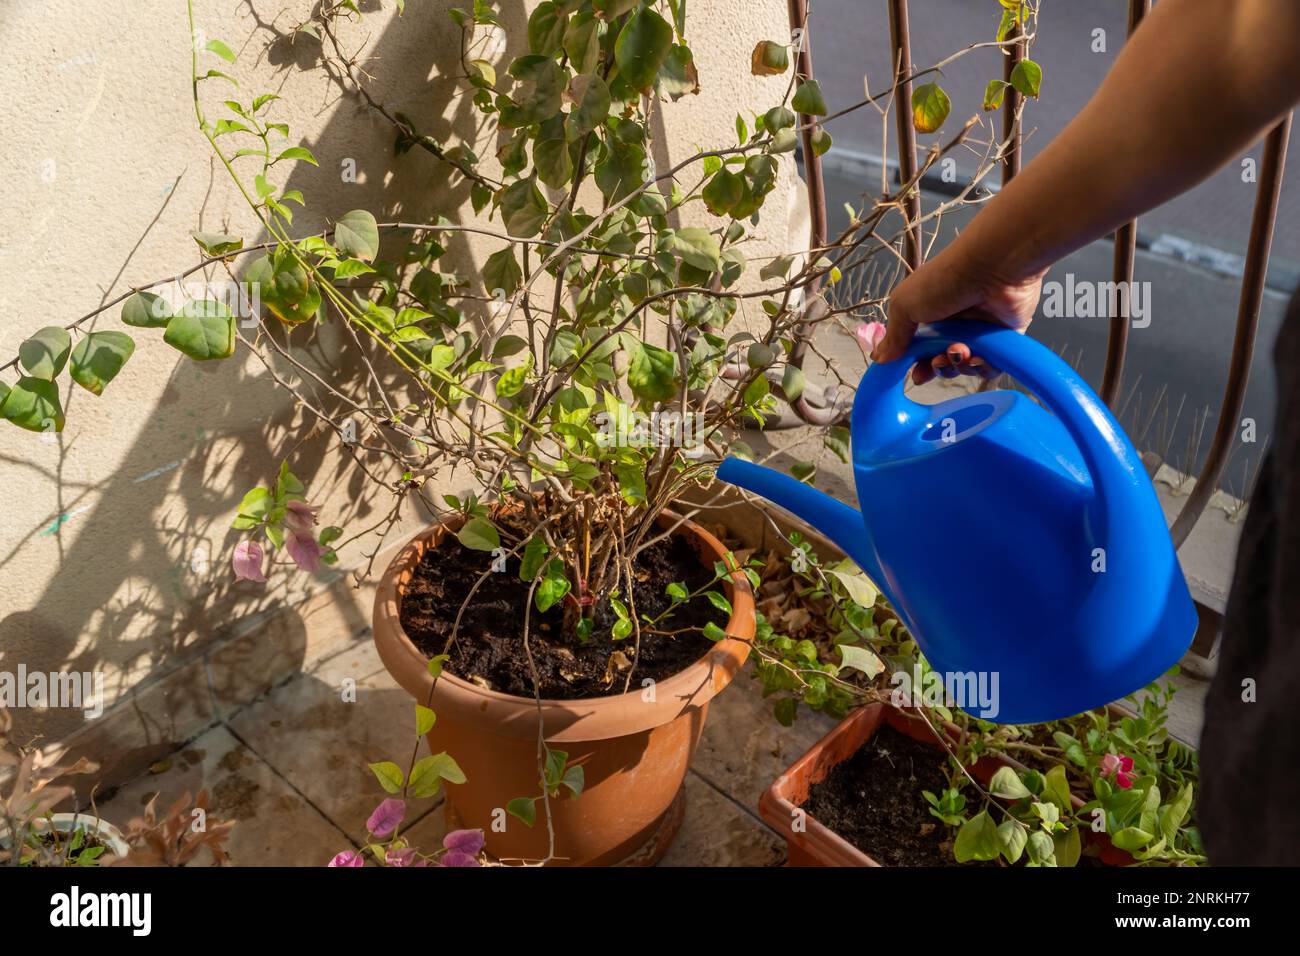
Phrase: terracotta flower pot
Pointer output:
(812, 844)
(808, 842)
(634, 748)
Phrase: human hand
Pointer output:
(943, 289)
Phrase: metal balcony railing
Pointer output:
(1125, 240)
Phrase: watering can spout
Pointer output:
(843, 525)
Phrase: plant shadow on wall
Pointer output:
(227, 424)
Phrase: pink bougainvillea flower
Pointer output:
(300, 516)
(304, 549)
(347, 858)
(1120, 767)
(457, 858)
(408, 856)
(247, 562)
(469, 842)
(386, 817)
(869, 335)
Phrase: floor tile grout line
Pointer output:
(290, 784)
(742, 806)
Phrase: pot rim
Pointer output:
(66, 822)
(583, 719)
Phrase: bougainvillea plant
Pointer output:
(616, 290)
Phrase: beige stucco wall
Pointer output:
(114, 540)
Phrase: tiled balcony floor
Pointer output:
(291, 769)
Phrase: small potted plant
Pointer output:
(31, 834)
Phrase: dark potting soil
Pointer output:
(489, 648)
(874, 801)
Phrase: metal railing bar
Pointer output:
(1243, 343)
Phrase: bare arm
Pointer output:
(1198, 82)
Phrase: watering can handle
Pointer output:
(1105, 449)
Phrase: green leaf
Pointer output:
(389, 775)
(203, 330)
(523, 209)
(930, 107)
(714, 633)
(553, 587)
(860, 659)
(98, 357)
(501, 271)
(575, 778)
(221, 50)
(535, 552)
(1067, 848)
(552, 161)
(479, 534)
(33, 403)
(723, 191)
(719, 601)
(546, 29)
(808, 99)
(994, 94)
(1012, 835)
(678, 76)
(1009, 19)
(769, 58)
(652, 373)
(255, 504)
(1131, 838)
(538, 94)
(783, 142)
(523, 808)
(297, 152)
(218, 243)
(46, 352)
(785, 710)
(792, 382)
(435, 665)
(642, 47)
(837, 440)
(624, 169)
(146, 310)
(357, 235)
(821, 141)
(859, 587)
(592, 107)
(1057, 788)
(612, 9)
(425, 718)
(1027, 78)
(756, 391)
(697, 246)
(582, 42)
(1042, 850)
(1006, 783)
(427, 775)
(1173, 815)
(978, 839)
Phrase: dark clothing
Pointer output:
(1250, 751)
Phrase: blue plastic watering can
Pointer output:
(1023, 548)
